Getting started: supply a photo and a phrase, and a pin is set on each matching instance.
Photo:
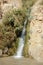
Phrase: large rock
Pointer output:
(36, 33)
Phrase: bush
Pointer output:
(10, 51)
(11, 30)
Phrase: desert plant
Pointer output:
(11, 30)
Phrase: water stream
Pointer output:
(21, 43)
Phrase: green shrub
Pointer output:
(11, 30)
(10, 51)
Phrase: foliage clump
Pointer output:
(10, 32)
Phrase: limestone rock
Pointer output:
(8, 4)
(36, 33)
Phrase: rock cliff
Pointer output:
(36, 32)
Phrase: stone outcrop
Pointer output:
(36, 33)
(8, 4)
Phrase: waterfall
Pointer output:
(21, 43)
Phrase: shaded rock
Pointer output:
(5, 50)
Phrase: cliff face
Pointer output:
(36, 33)
(7, 4)
(17, 2)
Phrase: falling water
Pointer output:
(21, 43)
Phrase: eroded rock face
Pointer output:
(8, 4)
(12, 3)
(36, 33)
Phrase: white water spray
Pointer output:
(21, 43)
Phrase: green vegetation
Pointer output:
(28, 4)
(11, 29)
(27, 7)
(27, 37)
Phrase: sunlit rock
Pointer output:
(36, 37)
(8, 4)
